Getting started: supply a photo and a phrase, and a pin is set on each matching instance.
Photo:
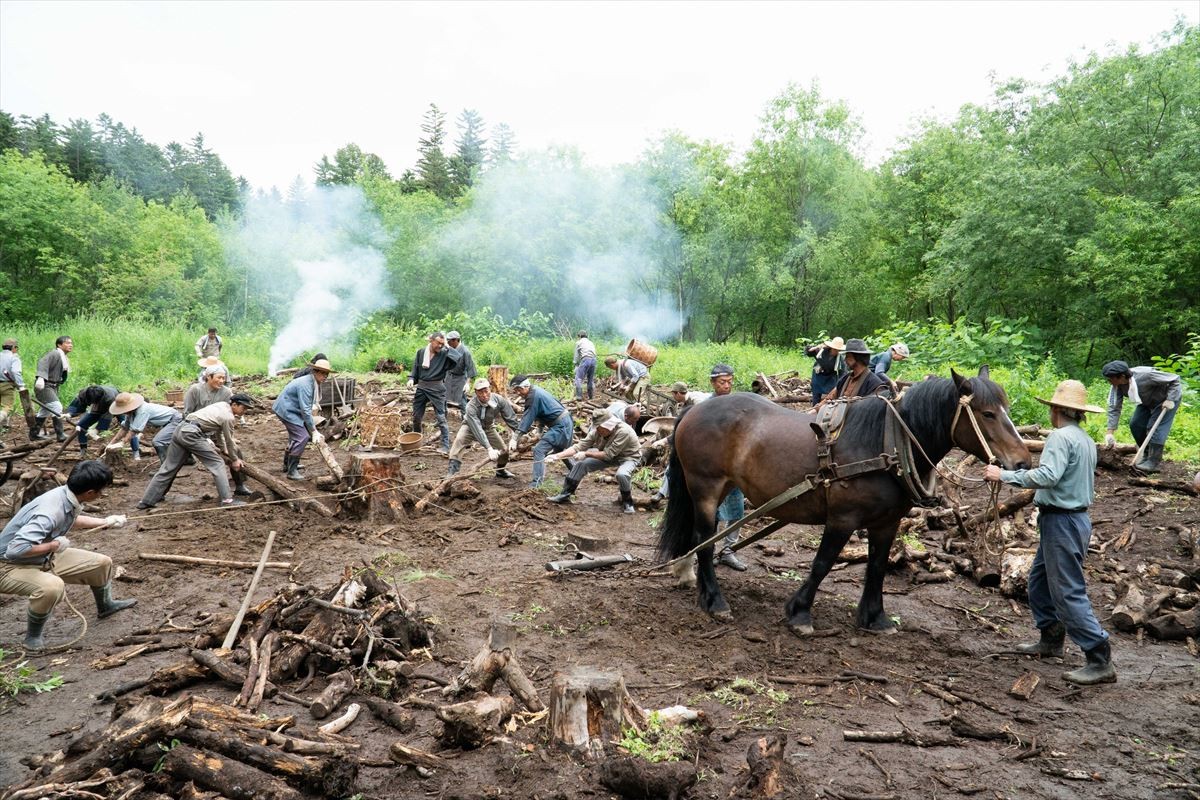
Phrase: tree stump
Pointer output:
(475, 722)
(497, 375)
(589, 708)
(1015, 565)
(496, 661)
(374, 478)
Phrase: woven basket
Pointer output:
(381, 424)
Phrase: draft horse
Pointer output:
(746, 441)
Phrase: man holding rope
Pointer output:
(479, 424)
(36, 557)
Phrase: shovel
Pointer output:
(1137, 457)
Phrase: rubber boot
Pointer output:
(1049, 645)
(239, 488)
(627, 503)
(1098, 669)
(1150, 459)
(501, 472)
(293, 468)
(727, 556)
(455, 466)
(569, 487)
(33, 633)
(105, 605)
(59, 434)
(36, 431)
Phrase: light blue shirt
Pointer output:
(150, 414)
(48, 516)
(1065, 475)
(294, 403)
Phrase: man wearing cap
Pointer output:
(584, 363)
(52, 371)
(12, 384)
(1057, 585)
(543, 408)
(1156, 395)
(431, 364)
(633, 377)
(197, 436)
(479, 424)
(881, 363)
(36, 557)
(137, 414)
(610, 443)
(209, 345)
(827, 366)
(293, 406)
(859, 380)
(681, 398)
(209, 389)
(93, 403)
(460, 373)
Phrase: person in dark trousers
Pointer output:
(1156, 395)
(479, 425)
(584, 363)
(610, 443)
(93, 403)
(461, 374)
(293, 406)
(196, 436)
(431, 365)
(541, 408)
(1057, 584)
(52, 372)
(827, 367)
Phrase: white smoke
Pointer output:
(318, 263)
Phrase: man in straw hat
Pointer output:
(479, 424)
(1057, 586)
(1156, 395)
(138, 414)
(211, 362)
(610, 443)
(293, 406)
(197, 436)
(431, 365)
(542, 408)
(827, 366)
(36, 557)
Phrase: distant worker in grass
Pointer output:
(461, 374)
(584, 362)
(827, 366)
(209, 389)
(610, 443)
(881, 363)
(633, 377)
(1057, 585)
(36, 557)
(196, 436)
(294, 407)
(137, 415)
(92, 403)
(431, 365)
(52, 372)
(209, 345)
(859, 380)
(480, 417)
(542, 408)
(1156, 395)
(12, 383)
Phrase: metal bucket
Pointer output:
(410, 441)
(643, 352)
(659, 426)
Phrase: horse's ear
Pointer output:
(985, 373)
(960, 382)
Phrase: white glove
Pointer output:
(39, 384)
(63, 543)
(1110, 440)
(316, 407)
(409, 382)
(1168, 404)
(552, 457)
(512, 442)
(493, 454)
(318, 437)
(115, 520)
(79, 429)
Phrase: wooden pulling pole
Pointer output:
(207, 562)
(241, 614)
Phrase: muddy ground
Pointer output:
(476, 559)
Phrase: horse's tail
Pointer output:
(677, 531)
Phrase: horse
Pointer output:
(746, 441)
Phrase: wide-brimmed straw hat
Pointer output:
(323, 365)
(836, 343)
(210, 361)
(1071, 394)
(126, 402)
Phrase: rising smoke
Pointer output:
(317, 262)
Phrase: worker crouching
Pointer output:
(479, 424)
(611, 442)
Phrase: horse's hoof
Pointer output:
(885, 628)
(724, 616)
(801, 630)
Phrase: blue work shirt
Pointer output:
(48, 516)
(295, 402)
(150, 414)
(1064, 476)
(543, 408)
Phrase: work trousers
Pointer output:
(48, 397)
(822, 385)
(298, 438)
(8, 401)
(161, 440)
(188, 440)
(45, 588)
(585, 372)
(1057, 589)
(732, 508)
(554, 439)
(437, 398)
(456, 390)
(102, 420)
(637, 392)
(625, 470)
(464, 437)
(1143, 420)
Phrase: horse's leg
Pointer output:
(870, 607)
(799, 608)
(711, 599)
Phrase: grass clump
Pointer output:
(657, 741)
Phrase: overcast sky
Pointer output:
(273, 86)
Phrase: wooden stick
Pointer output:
(243, 697)
(211, 562)
(341, 723)
(264, 669)
(335, 469)
(241, 614)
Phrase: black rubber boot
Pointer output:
(36, 431)
(569, 487)
(36, 623)
(627, 503)
(293, 469)
(105, 605)
(239, 488)
(1098, 669)
(454, 467)
(501, 472)
(1049, 645)
(59, 434)
(1150, 459)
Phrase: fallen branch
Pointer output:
(212, 562)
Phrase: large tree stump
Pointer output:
(497, 376)
(589, 709)
(373, 478)
(475, 722)
(496, 661)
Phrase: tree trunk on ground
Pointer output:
(283, 491)
(475, 722)
(341, 684)
(636, 778)
(395, 715)
(231, 778)
(1176, 625)
(765, 760)
(374, 477)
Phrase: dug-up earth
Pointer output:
(469, 561)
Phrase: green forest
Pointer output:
(1058, 221)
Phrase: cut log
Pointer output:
(1025, 685)
(590, 708)
(412, 757)
(395, 715)
(341, 684)
(212, 562)
(475, 722)
(283, 491)
(333, 776)
(373, 482)
(162, 681)
(322, 628)
(1176, 625)
(1015, 565)
(444, 485)
(1007, 508)
(1130, 611)
(1183, 487)
(765, 760)
(986, 552)
(636, 778)
(231, 778)
(335, 469)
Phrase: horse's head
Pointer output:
(985, 402)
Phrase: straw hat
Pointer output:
(482, 383)
(1071, 394)
(323, 365)
(210, 361)
(126, 402)
(836, 343)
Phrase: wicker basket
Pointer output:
(175, 397)
(380, 426)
